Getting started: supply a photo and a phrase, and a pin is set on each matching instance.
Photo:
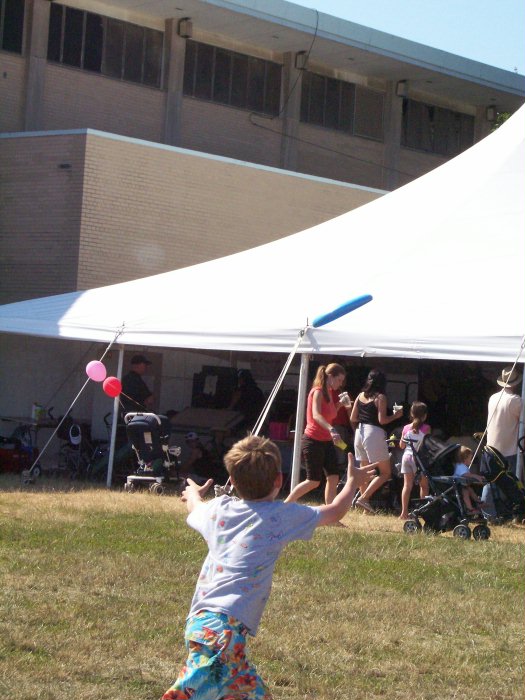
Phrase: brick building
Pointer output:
(138, 138)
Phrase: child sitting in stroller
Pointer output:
(463, 460)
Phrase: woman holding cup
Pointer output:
(369, 415)
(320, 435)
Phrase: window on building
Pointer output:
(336, 104)
(231, 78)
(104, 45)
(11, 25)
(435, 129)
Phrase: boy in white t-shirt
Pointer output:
(463, 460)
(245, 537)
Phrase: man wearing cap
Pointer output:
(504, 416)
(136, 395)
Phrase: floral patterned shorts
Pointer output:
(216, 667)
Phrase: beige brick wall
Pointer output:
(152, 209)
(227, 131)
(76, 99)
(329, 153)
(40, 212)
(12, 78)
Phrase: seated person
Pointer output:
(248, 399)
(202, 464)
(463, 460)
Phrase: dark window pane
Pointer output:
(113, 48)
(222, 75)
(55, 33)
(331, 108)
(13, 25)
(368, 113)
(255, 99)
(73, 29)
(153, 57)
(272, 98)
(93, 42)
(445, 137)
(346, 118)
(204, 71)
(316, 101)
(466, 132)
(305, 95)
(190, 58)
(239, 80)
(133, 52)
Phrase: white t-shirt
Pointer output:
(503, 421)
(244, 541)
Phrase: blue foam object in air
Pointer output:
(341, 310)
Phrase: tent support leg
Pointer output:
(519, 457)
(116, 406)
(299, 420)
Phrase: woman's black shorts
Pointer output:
(319, 457)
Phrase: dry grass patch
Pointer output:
(96, 584)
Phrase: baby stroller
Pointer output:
(158, 468)
(444, 509)
(507, 491)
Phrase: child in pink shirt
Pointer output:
(411, 436)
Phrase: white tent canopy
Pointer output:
(442, 256)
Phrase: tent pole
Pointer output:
(116, 407)
(519, 456)
(299, 420)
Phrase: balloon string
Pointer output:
(66, 414)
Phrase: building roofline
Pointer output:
(359, 36)
(189, 152)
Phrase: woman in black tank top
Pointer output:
(369, 415)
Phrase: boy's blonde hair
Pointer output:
(463, 452)
(253, 464)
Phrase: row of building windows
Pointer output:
(232, 78)
(11, 25)
(109, 46)
(127, 51)
(435, 129)
(336, 104)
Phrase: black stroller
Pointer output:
(158, 467)
(506, 490)
(444, 509)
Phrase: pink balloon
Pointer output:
(96, 371)
(112, 386)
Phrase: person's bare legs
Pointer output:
(360, 476)
(301, 489)
(376, 483)
(423, 487)
(330, 489)
(408, 483)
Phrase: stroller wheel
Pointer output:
(157, 489)
(36, 471)
(411, 527)
(462, 531)
(129, 487)
(481, 532)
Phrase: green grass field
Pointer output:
(96, 584)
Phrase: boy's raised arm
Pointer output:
(333, 512)
(193, 493)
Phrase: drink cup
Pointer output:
(341, 444)
(345, 399)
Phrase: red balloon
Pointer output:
(112, 386)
